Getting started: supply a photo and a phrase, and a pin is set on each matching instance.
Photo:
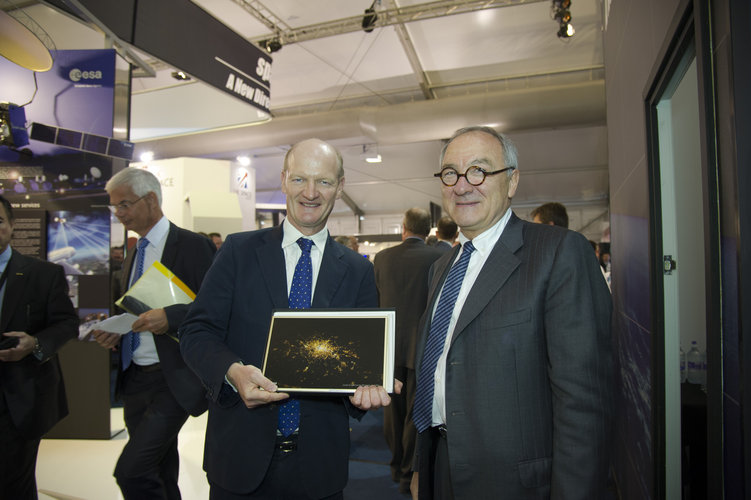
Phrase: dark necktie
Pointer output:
(132, 339)
(299, 298)
(423, 408)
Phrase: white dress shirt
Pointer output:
(292, 252)
(483, 244)
(146, 353)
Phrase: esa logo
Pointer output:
(77, 75)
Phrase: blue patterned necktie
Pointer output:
(133, 339)
(299, 298)
(423, 407)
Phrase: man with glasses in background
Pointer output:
(514, 362)
(158, 390)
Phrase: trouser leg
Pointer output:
(149, 464)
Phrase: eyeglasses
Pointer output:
(474, 175)
(125, 205)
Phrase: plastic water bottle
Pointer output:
(703, 374)
(695, 364)
(683, 366)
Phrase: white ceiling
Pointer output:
(401, 89)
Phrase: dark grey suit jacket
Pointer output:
(530, 377)
(443, 246)
(189, 256)
(401, 274)
(36, 302)
(229, 322)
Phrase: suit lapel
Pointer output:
(441, 271)
(271, 261)
(14, 286)
(501, 262)
(169, 254)
(330, 275)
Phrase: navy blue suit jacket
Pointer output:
(229, 322)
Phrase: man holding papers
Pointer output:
(261, 443)
(158, 390)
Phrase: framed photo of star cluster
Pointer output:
(330, 350)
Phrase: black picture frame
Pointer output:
(330, 351)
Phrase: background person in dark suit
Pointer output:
(446, 232)
(158, 390)
(37, 312)
(224, 338)
(401, 274)
(514, 399)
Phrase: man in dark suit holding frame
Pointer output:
(515, 366)
(260, 443)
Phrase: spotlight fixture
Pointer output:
(370, 154)
(271, 45)
(566, 31)
(560, 13)
(370, 17)
(180, 75)
(563, 16)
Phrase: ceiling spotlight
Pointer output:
(180, 75)
(147, 156)
(563, 16)
(560, 13)
(271, 45)
(243, 160)
(566, 31)
(370, 154)
(370, 18)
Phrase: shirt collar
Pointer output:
(292, 234)
(158, 232)
(485, 241)
(5, 257)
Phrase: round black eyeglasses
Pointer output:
(474, 175)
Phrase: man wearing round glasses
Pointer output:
(514, 362)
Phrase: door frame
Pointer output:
(690, 27)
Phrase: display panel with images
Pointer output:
(79, 241)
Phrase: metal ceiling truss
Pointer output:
(386, 17)
(412, 57)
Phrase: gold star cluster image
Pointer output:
(331, 355)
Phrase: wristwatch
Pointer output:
(37, 352)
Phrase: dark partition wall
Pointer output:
(635, 33)
(732, 28)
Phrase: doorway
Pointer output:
(683, 278)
